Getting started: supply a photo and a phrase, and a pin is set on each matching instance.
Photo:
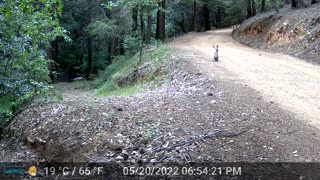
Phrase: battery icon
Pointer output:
(33, 171)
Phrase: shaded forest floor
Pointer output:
(208, 111)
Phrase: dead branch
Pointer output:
(218, 133)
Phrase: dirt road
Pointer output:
(289, 82)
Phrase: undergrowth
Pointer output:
(128, 75)
(10, 106)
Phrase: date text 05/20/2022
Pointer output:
(184, 171)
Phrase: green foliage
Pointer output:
(104, 24)
(116, 24)
(131, 4)
(102, 29)
(71, 56)
(26, 28)
(111, 89)
(235, 12)
(9, 105)
(126, 74)
(131, 43)
(179, 14)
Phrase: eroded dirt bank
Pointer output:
(290, 31)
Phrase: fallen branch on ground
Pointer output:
(218, 133)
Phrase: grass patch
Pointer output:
(123, 91)
(83, 84)
(127, 75)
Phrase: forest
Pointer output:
(73, 63)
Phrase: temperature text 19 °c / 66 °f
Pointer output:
(74, 171)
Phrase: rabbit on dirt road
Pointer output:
(216, 54)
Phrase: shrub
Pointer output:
(131, 43)
(125, 75)
(26, 30)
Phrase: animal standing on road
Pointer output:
(216, 54)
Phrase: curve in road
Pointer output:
(291, 83)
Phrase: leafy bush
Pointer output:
(9, 105)
(125, 75)
(131, 43)
(26, 28)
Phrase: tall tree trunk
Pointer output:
(254, 10)
(113, 48)
(159, 13)
(89, 62)
(89, 42)
(142, 31)
(249, 9)
(263, 6)
(135, 19)
(206, 17)
(164, 20)
(195, 23)
(313, 1)
(108, 44)
(110, 56)
(55, 50)
(52, 55)
(149, 26)
(51, 62)
(294, 3)
(121, 50)
(142, 25)
(160, 34)
(55, 58)
(81, 56)
(50, 52)
(218, 16)
(182, 25)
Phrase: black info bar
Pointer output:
(190, 170)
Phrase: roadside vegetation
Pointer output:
(129, 74)
(26, 29)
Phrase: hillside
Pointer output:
(295, 32)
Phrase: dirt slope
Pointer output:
(291, 83)
(295, 32)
